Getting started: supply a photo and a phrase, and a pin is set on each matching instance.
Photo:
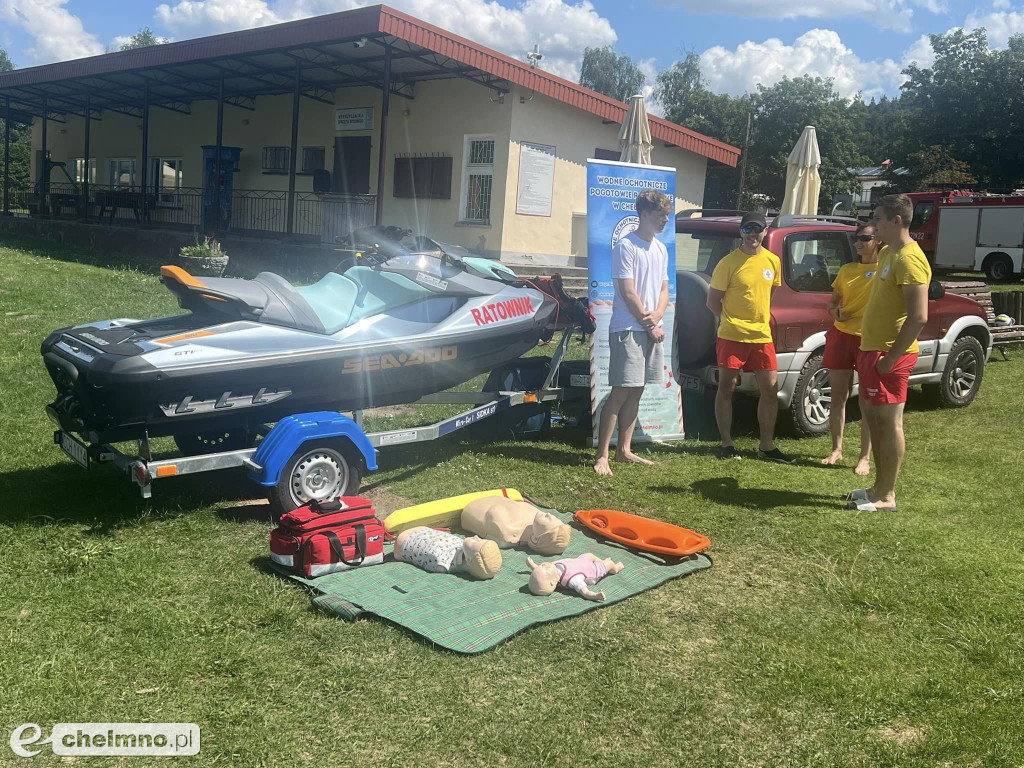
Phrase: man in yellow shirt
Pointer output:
(740, 297)
(896, 314)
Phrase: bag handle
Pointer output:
(322, 506)
(339, 550)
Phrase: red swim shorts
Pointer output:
(746, 356)
(890, 388)
(841, 350)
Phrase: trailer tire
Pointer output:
(961, 378)
(317, 470)
(998, 267)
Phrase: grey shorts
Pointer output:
(636, 359)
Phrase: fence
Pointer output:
(252, 211)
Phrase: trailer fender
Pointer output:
(291, 432)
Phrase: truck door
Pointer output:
(957, 238)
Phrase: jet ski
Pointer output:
(386, 326)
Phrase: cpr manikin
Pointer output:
(516, 522)
(441, 552)
(578, 574)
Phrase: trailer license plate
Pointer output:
(75, 449)
(690, 383)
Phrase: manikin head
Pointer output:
(483, 558)
(543, 578)
(546, 535)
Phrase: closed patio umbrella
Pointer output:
(802, 180)
(635, 134)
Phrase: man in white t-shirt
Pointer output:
(635, 336)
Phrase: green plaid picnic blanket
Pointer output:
(470, 616)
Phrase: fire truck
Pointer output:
(961, 230)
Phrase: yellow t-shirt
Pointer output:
(887, 311)
(853, 286)
(747, 282)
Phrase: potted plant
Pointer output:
(206, 257)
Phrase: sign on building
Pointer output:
(536, 179)
(353, 119)
(612, 188)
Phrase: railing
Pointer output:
(252, 211)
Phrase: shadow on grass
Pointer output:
(727, 490)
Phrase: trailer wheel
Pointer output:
(998, 267)
(318, 471)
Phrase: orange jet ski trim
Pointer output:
(643, 533)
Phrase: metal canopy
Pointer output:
(323, 67)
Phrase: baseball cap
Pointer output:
(753, 217)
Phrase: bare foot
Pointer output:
(882, 503)
(832, 458)
(602, 468)
(631, 458)
(863, 467)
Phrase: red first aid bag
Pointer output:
(327, 536)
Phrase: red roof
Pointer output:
(25, 85)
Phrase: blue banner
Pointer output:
(612, 188)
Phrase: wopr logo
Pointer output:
(126, 739)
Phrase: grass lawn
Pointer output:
(821, 637)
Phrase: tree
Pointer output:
(605, 72)
(144, 38)
(929, 168)
(21, 149)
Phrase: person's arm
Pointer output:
(835, 305)
(656, 331)
(715, 298)
(626, 288)
(916, 298)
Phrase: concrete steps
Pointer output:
(574, 279)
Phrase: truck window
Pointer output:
(922, 212)
(701, 251)
(813, 259)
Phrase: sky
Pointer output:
(862, 44)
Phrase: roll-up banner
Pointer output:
(612, 188)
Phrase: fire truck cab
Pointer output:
(961, 230)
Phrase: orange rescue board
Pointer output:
(642, 532)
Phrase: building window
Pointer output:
(423, 178)
(275, 159)
(165, 179)
(312, 159)
(607, 154)
(477, 179)
(77, 169)
(121, 172)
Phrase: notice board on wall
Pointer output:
(536, 179)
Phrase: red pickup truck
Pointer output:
(955, 343)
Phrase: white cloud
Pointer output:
(889, 14)
(1000, 25)
(58, 34)
(561, 29)
(818, 53)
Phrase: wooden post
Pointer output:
(7, 156)
(743, 167)
(144, 176)
(44, 188)
(85, 152)
(216, 158)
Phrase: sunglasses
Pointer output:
(864, 238)
(751, 229)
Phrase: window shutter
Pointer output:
(403, 177)
(441, 178)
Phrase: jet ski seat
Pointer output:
(341, 300)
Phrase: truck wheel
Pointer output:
(961, 378)
(318, 471)
(812, 399)
(998, 268)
